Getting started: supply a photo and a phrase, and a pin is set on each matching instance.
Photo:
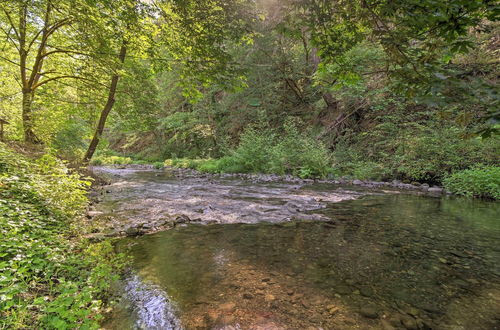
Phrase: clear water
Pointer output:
(379, 262)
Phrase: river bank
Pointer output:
(51, 276)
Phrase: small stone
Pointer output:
(132, 231)
(227, 319)
(91, 214)
(247, 296)
(412, 311)
(343, 290)
(366, 291)
(332, 309)
(267, 279)
(369, 312)
(386, 325)
(409, 323)
(395, 321)
(182, 219)
(357, 182)
(228, 307)
(269, 298)
(437, 190)
(349, 321)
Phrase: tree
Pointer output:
(192, 32)
(44, 34)
(420, 39)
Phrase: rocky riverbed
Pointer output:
(179, 196)
(268, 252)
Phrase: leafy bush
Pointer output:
(410, 143)
(111, 160)
(265, 151)
(298, 154)
(254, 152)
(480, 181)
(362, 170)
(48, 281)
(158, 165)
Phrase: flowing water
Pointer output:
(337, 259)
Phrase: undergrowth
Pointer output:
(50, 277)
(479, 181)
(268, 151)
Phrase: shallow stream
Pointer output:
(306, 256)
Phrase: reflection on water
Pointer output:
(382, 262)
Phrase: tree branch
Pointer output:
(11, 23)
(10, 38)
(41, 83)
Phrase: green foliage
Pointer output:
(111, 160)
(266, 151)
(411, 142)
(479, 181)
(48, 281)
(362, 170)
(299, 154)
(158, 165)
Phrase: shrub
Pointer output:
(47, 280)
(209, 166)
(253, 152)
(265, 151)
(111, 160)
(298, 154)
(480, 181)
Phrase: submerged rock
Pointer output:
(133, 231)
(369, 312)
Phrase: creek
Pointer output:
(301, 255)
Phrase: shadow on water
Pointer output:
(381, 262)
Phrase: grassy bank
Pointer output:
(51, 277)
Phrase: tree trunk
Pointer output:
(106, 110)
(29, 135)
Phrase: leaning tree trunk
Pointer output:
(106, 110)
(27, 113)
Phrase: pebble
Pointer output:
(386, 325)
(228, 307)
(409, 323)
(269, 298)
(368, 312)
(332, 309)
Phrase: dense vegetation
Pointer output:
(365, 89)
(372, 90)
(51, 277)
